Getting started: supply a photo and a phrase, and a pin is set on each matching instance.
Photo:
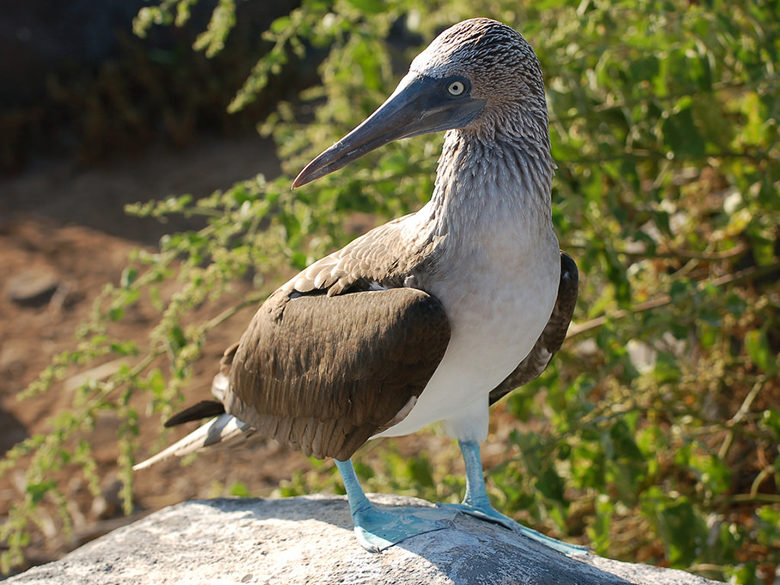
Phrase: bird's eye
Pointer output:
(456, 88)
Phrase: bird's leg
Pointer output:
(476, 494)
(380, 527)
(477, 503)
(358, 502)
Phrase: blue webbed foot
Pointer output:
(380, 527)
(477, 504)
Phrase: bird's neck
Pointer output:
(491, 177)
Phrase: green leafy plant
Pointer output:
(654, 434)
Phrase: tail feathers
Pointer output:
(223, 428)
(203, 409)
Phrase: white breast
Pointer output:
(498, 295)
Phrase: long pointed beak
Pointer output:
(419, 105)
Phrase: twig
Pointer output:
(581, 328)
(252, 299)
(742, 411)
(674, 254)
(746, 274)
(762, 475)
(757, 156)
(754, 498)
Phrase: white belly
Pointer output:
(497, 311)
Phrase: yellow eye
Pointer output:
(456, 88)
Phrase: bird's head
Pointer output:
(477, 74)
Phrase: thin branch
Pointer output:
(762, 475)
(739, 416)
(673, 254)
(580, 328)
(251, 299)
(757, 156)
(754, 499)
(662, 300)
(748, 402)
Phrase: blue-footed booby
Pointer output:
(431, 317)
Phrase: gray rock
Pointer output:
(310, 540)
(32, 287)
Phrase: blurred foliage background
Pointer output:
(654, 434)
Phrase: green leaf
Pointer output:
(239, 490)
(37, 490)
(521, 404)
(599, 529)
(714, 473)
(768, 530)
(129, 275)
(116, 313)
(682, 529)
(682, 136)
(369, 6)
(666, 369)
(644, 69)
(770, 420)
(176, 339)
(280, 25)
(757, 346)
(420, 471)
(551, 485)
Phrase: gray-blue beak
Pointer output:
(419, 105)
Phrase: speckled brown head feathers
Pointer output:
(500, 64)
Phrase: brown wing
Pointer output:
(552, 336)
(324, 373)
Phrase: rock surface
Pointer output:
(310, 540)
(32, 287)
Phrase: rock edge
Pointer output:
(309, 540)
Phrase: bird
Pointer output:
(431, 317)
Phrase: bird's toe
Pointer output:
(488, 513)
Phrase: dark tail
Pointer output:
(203, 409)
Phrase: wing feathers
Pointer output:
(363, 260)
(331, 371)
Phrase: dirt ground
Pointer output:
(62, 224)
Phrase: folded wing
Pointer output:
(322, 374)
